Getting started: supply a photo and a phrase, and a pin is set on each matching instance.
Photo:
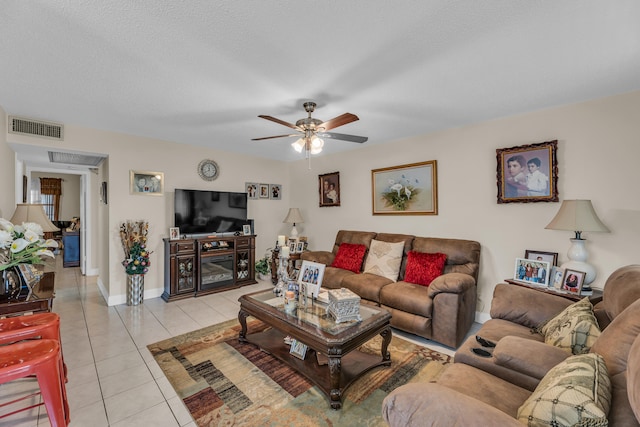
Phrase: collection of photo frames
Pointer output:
(256, 190)
(539, 268)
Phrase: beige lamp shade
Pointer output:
(577, 216)
(33, 213)
(293, 217)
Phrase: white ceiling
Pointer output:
(200, 71)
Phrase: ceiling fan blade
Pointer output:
(277, 136)
(343, 137)
(282, 122)
(338, 121)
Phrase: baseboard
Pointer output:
(482, 317)
(122, 298)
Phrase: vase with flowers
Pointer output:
(21, 244)
(133, 235)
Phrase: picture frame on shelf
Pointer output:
(263, 191)
(550, 257)
(555, 279)
(146, 183)
(246, 229)
(174, 233)
(410, 189)
(329, 189)
(275, 191)
(573, 280)
(292, 246)
(299, 247)
(528, 173)
(311, 274)
(532, 271)
(251, 189)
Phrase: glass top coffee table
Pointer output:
(312, 326)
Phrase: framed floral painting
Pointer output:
(410, 189)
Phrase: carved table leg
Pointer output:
(242, 318)
(386, 339)
(335, 367)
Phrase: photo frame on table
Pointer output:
(532, 271)
(299, 247)
(329, 189)
(174, 233)
(246, 229)
(528, 173)
(263, 191)
(146, 183)
(555, 279)
(275, 191)
(298, 349)
(251, 189)
(573, 280)
(311, 274)
(550, 257)
(410, 189)
(292, 246)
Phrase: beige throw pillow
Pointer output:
(576, 392)
(575, 329)
(384, 259)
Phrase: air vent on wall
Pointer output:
(36, 128)
(75, 158)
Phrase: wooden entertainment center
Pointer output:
(205, 265)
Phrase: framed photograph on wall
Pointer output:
(252, 189)
(329, 189)
(103, 192)
(528, 173)
(550, 257)
(146, 183)
(410, 189)
(275, 191)
(311, 274)
(532, 271)
(174, 233)
(263, 191)
(572, 281)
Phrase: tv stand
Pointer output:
(205, 265)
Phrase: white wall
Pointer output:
(598, 159)
(7, 172)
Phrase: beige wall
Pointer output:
(7, 172)
(70, 199)
(598, 159)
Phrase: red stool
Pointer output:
(42, 359)
(39, 325)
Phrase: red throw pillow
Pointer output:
(423, 268)
(349, 257)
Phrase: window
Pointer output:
(51, 190)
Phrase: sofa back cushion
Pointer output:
(633, 377)
(349, 257)
(621, 289)
(423, 268)
(353, 237)
(463, 256)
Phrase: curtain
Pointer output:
(51, 187)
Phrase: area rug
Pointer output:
(224, 382)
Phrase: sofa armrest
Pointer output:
(431, 404)
(323, 257)
(452, 283)
(525, 306)
(526, 356)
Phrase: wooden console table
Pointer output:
(41, 299)
(595, 298)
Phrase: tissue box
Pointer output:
(344, 305)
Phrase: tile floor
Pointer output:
(113, 379)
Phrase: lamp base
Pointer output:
(577, 261)
(294, 232)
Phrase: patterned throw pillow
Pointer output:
(349, 257)
(423, 267)
(576, 392)
(575, 329)
(384, 259)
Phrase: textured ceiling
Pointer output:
(199, 72)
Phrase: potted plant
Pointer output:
(133, 236)
(262, 268)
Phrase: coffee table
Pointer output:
(327, 340)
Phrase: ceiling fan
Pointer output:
(311, 131)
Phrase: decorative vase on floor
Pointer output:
(135, 289)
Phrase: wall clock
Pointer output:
(208, 170)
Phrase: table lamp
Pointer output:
(578, 216)
(34, 213)
(293, 217)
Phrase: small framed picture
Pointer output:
(174, 233)
(550, 257)
(298, 349)
(555, 280)
(572, 281)
(246, 229)
(263, 191)
(311, 273)
(252, 189)
(532, 271)
(275, 191)
(299, 247)
(146, 183)
(292, 246)
(329, 185)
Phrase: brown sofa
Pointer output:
(489, 391)
(442, 312)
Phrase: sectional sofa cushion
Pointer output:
(384, 259)
(575, 329)
(423, 267)
(349, 257)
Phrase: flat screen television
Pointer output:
(208, 212)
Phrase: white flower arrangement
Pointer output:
(23, 244)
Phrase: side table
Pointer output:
(594, 299)
(41, 299)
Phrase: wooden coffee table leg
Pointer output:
(335, 366)
(242, 318)
(386, 339)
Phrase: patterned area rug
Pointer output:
(224, 382)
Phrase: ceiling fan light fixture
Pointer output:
(298, 145)
(316, 145)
